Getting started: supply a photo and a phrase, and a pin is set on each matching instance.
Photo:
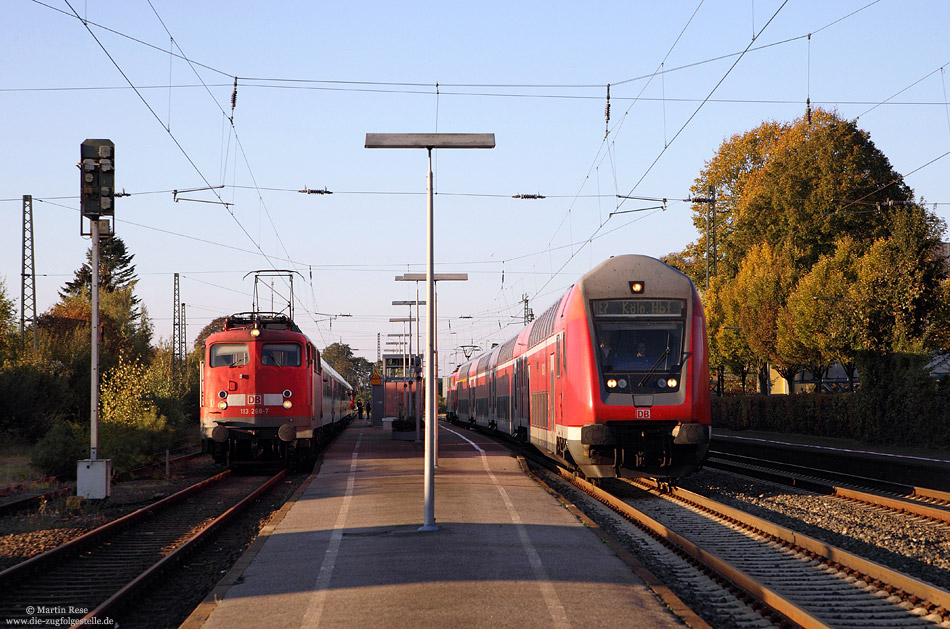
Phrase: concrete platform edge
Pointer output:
(201, 613)
(676, 605)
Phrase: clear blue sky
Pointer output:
(314, 78)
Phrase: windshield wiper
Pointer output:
(665, 353)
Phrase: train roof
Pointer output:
(602, 280)
(333, 372)
(260, 320)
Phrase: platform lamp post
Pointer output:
(436, 278)
(410, 396)
(429, 141)
(403, 352)
(415, 375)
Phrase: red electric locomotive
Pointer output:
(265, 395)
(613, 379)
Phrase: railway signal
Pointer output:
(97, 185)
(97, 196)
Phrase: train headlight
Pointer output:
(287, 393)
(223, 404)
(661, 383)
(671, 383)
(288, 403)
(611, 384)
(255, 332)
(622, 383)
(223, 395)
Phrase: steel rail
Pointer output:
(190, 544)
(106, 529)
(747, 584)
(906, 583)
(19, 504)
(909, 501)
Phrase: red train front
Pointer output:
(612, 379)
(264, 394)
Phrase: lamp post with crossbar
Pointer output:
(429, 141)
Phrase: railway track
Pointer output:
(880, 470)
(919, 501)
(799, 580)
(13, 503)
(21, 497)
(93, 575)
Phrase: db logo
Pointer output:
(643, 413)
(255, 400)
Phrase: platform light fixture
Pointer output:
(429, 141)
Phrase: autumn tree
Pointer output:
(897, 292)
(216, 325)
(356, 370)
(821, 248)
(822, 321)
(7, 320)
(728, 347)
(726, 175)
(802, 185)
(762, 286)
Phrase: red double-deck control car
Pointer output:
(613, 379)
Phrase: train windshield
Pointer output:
(639, 336)
(228, 355)
(639, 346)
(280, 354)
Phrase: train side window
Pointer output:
(228, 355)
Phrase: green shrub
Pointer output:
(58, 451)
(31, 394)
(131, 428)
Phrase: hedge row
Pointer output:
(920, 419)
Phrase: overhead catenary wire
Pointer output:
(729, 71)
(426, 87)
(159, 120)
(552, 196)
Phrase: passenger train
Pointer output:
(265, 393)
(613, 379)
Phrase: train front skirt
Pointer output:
(631, 449)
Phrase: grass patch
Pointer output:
(15, 465)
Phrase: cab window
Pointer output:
(280, 354)
(228, 355)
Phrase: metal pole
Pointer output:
(707, 247)
(184, 337)
(429, 492)
(94, 390)
(407, 383)
(402, 396)
(416, 399)
(416, 377)
(28, 275)
(435, 367)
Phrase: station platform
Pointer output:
(348, 552)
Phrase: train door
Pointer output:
(556, 393)
(552, 362)
(471, 396)
(492, 399)
(522, 397)
(515, 395)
